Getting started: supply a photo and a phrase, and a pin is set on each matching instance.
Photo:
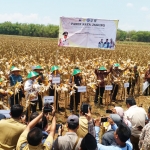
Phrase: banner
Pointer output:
(88, 33)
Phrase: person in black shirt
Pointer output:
(75, 79)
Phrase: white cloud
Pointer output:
(148, 16)
(144, 9)
(21, 18)
(129, 5)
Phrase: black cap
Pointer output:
(65, 33)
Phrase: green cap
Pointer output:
(12, 67)
(38, 67)
(1, 79)
(76, 71)
(102, 68)
(116, 65)
(32, 74)
(53, 68)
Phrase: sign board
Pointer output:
(48, 99)
(108, 87)
(56, 80)
(6, 113)
(126, 85)
(87, 33)
(81, 88)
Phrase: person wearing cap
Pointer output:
(54, 73)
(133, 80)
(40, 77)
(28, 88)
(32, 137)
(137, 116)
(14, 78)
(64, 41)
(70, 141)
(116, 74)
(108, 137)
(121, 134)
(11, 129)
(75, 79)
(147, 79)
(101, 74)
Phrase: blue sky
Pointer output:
(132, 14)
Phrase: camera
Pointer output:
(57, 127)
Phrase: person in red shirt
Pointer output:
(101, 74)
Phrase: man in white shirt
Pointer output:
(28, 88)
(137, 116)
(64, 41)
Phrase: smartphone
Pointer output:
(85, 109)
(57, 127)
(108, 111)
(104, 119)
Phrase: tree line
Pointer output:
(51, 31)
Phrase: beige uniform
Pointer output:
(83, 127)
(10, 131)
(23, 145)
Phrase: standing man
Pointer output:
(147, 79)
(116, 74)
(133, 80)
(106, 44)
(64, 41)
(137, 116)
(14, 78)
(40, 77)
(28, 87)
(101, 74)
(75, 79)
(54, 73)
(101, 44)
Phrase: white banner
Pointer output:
(87, 32)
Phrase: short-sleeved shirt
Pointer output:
(23, 145)
(137, 116)
(67, 142)
(14, 79)
(10, 131)
(83, 127)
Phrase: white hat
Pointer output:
(15, 69)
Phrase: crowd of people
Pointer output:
(126, 130)
(30, 129)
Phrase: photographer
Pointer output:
(83, 123)
(32, 136)
(70, 141)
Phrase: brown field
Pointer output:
(25, 52)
